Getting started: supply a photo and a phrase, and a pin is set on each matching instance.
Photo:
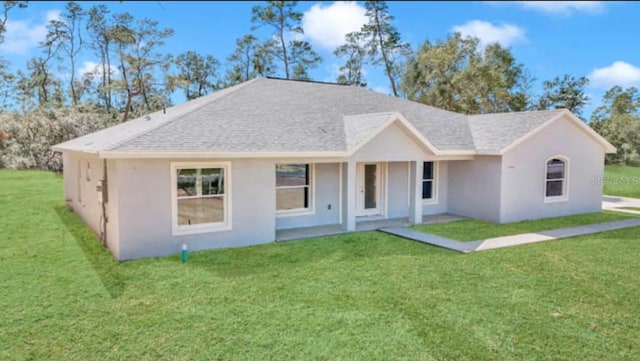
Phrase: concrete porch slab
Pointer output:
(363, 224)
(308, 232)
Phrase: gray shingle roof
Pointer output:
(358, 128)
(494, 132)
(273, 115)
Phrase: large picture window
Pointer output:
(429, 181)
(200, 197)
(293, 188)
(556, 179)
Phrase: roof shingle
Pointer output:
(267, 115)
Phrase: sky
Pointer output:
(595, 39)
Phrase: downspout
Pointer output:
(105, 199)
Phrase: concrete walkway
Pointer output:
(509, 241)
(432, 239)
(613, 203)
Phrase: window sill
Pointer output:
(295, 213)
(200, 229)
(556, 199)
(429, 202)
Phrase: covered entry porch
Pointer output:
(376, 191)
(366, 195)
(391, 177)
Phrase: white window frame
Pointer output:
(225, 225)
(312, 186)
(565, 181)
(434, 182)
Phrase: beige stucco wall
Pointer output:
(80, 190)
(474, 188)
(145, 203)
(399, 201)
(392, 144)
(524, 172)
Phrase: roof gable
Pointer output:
(564, 114)
(361, 129)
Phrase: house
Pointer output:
(236, 167)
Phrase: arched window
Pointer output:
(556, 179)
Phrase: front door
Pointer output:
(369, 189)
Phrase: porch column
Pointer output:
(349, 195)
(415, 192)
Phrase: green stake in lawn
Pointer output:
(185, 253)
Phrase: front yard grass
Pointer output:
(622, 181)
(631, 208)
(473, 230)
(362, 296)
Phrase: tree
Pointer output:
(618, 120)
(137, 43)
(196, 74)
(39, 86)
(99, 30)
(27, 136)
(285, 20)
(436, 74)
(302, 58)
(498, 87)
(351, 72)
(382, 41)
(65, 34)
(566, 92)
(4, 16)
(455, 74)
(248, 60)
(7, 78)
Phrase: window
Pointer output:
(556, 179)
(88, 171)
(201, 197)
(293, 188)
(429, 181)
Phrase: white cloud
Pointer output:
(95, 68)
(557, 7)
(505, 34)
(618, 73)
(52, 15)
(563, 7)
(326, 26)
(333, 70)
(24, 35)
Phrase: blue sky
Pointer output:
(593, 39)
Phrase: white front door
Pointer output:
(369, 189)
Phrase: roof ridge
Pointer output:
(518, 112)
(230, 90)
(306, 81)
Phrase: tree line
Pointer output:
(133, 76)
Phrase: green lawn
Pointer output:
(473, 230)
(622, 181)
(631, 208)
(366, 296)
